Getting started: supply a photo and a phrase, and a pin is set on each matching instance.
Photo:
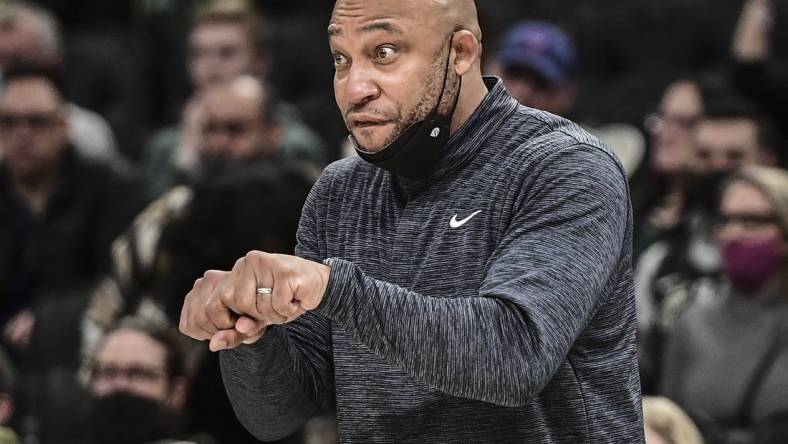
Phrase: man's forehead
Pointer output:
(129, 345)
(378, 15)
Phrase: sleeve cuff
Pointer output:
(339, 290)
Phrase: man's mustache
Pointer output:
(370, 111)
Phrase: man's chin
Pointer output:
(373, 141)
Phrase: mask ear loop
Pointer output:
(445, 76)
(434, 113)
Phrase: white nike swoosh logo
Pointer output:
(454, 223)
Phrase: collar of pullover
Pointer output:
(466, 142)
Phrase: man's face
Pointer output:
(672, 128)
(131, 362)
(531, 89)
(219, 52)
(726, 145)
(32, 126)
(389, 59)
(233, 126)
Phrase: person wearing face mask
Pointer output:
(726, 360)
(137, 381)
(730, 135)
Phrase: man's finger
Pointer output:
(195, 320)
(249, 326)
(282, 298)
(226, 339)
(244, 288)
(262, 266)
(269, 315)
(238, 292)
(220, 316)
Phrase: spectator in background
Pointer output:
(238, 137)
(730, 135)
(726, 360)
(237, 127)
(757, 72)
(59, 212)
(666, 423)
(138, 385)
(31, 35)
(208, 222)
(228, 40)
(538, 64)
(663, 200)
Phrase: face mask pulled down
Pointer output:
(413, 153)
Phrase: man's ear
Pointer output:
(467, 51)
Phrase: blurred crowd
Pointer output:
(143, 142)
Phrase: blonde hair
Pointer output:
(671, 423)
(773, 183)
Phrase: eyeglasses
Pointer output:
(134, 373)
(34, 121)
(231, 128)
(749, 221)
(658, 118)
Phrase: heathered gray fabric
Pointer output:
(518, 326)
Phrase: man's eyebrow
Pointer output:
(334, 30)
(382, 26)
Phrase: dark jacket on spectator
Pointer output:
(68, 245)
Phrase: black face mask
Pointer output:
(413, 154)
(704, 193)
(123, 418)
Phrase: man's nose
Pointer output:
(361, 86)
(120, 382)
(217, 142)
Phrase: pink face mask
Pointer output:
(750, 264)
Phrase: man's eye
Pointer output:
(384, 53)
(339, 59)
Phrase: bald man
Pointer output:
(465, 278)
(237, 126)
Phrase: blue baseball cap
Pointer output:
(541, 47)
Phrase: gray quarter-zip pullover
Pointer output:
(491, 302)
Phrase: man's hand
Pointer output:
(226, 308)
